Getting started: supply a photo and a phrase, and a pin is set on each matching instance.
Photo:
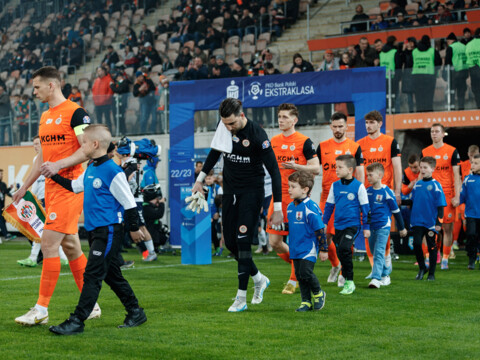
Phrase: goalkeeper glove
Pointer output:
(197, 202)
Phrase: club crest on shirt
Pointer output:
(284, 147)
(430, 233)
(58, 121)
(235, 138)
(445, 157)
(266, 144)
(246, 143)
(292, 147)
(380, 148)
(350, 196)
(379, 198)
(97, 183)
(348, 152)
(298, 215)
(52, 216)
(429, 187)
(243, 229)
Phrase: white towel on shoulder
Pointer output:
(222, 140)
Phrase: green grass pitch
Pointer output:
(187, 314)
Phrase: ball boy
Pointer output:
(349, 195)
(427, 210)
(307, 236)
(106, 194)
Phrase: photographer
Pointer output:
(153, 211)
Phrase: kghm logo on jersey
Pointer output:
(27, 211)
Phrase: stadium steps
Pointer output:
(325, 22)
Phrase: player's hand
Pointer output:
(323, 255)
(19, 194)
(137, 236)
(198, 187)
(289, 164)
(366, 234)
(398, 197)
(276, 221)
(455, 201)
(438, 228)
(49, 169)
(403, 233)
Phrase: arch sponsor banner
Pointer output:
(465, 118)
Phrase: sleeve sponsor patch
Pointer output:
(266, 144)
(86, 119)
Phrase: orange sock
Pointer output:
(286, 257)
(48, 280)
(332, 255)
(369, 253)
(292, 273)
(457, 225)
(77, 267)
(425, 249)
(446, 251)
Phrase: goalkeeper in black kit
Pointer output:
(245, 148)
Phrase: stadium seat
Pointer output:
(125, 21)
(157, 69)
(412, 8)
(115, 15)
(107, 40)
(151, 28)
(140, 12)
(219, 51)
(172, 55)
(265, 36)
(234, 40)
(163, 37)
(127, 13)
(83, 85)
(229, 59)
(218, 23)
(87, 38)
(175, 46)
(231, 49)
(285, 68)
(113, 24)
(261, 45)
(374, 12)
(4, 76)
(302, 8)
(384, 6)
(160, 46)
(249, 38)
(129, 72)
(98, 36)
(247, 57)
(122, 30)
(28, 90)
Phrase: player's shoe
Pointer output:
(32, 317)
(369, 276)
(341, 281)
(452, 255)
(444, 265)
(421, 274)
(431, 277)
(135, 317)
(319, 300)
(72, 326)
(96, 312)
(127, 264)
(385, 281)
(150, 257)
(64, 262)
(334, 271)
(238, 305)
(10, 237)
(259, 289)
(304, 306)
(388, 263)
(375, 284)
(455, 246)
(27, 262)
(259, 250)
(471, 264)
(348, 288)
(289, 289)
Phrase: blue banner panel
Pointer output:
(365, 87)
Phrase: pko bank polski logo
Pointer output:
(255, 90)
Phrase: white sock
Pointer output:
(61, 253)
(257, 277)
(41, 308)
(149, 245)
(294, 283)
(35, 251)
(242, 294)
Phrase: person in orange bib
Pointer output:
(293, 151)
(411, 174)
(327, 152)
(447, 173)
(381, 148)
(61, 131)
(460, 210)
